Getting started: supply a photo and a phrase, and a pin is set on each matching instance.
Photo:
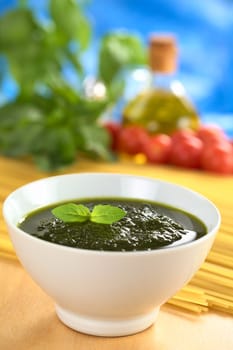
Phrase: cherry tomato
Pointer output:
(182, 134)
(157, 148)
(186, 151)
(131, 139)
(218, 157)
(211, 133)
(113, 130)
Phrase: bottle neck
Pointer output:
(162, 80)
(168, 81)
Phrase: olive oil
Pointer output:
(164, 106)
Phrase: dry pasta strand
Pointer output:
(6, 255)
(221, 260)
(218, 270)
(188, 306)
(206, 285)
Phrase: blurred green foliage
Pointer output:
(49, 120)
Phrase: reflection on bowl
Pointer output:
(108, 293)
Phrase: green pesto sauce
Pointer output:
(146, 226)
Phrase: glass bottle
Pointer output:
(164, 106)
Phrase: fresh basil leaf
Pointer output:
(117, 50)
(94, 140)
(72, 212)
(13, 113)
(55, 149)
(23, 3)
(16, 28)
(70, 20)
(102, 214)
(106, 214)
(20, 126)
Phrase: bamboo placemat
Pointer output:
(212, 286)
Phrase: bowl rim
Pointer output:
(158, 251)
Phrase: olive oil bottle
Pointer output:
(164, 106)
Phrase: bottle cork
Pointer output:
(163, 53)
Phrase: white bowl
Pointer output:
(108, 293)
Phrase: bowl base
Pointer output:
(106, 327)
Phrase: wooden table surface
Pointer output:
(27, 315)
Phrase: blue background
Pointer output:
(203, 29)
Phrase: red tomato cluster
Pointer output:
(207, 149)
